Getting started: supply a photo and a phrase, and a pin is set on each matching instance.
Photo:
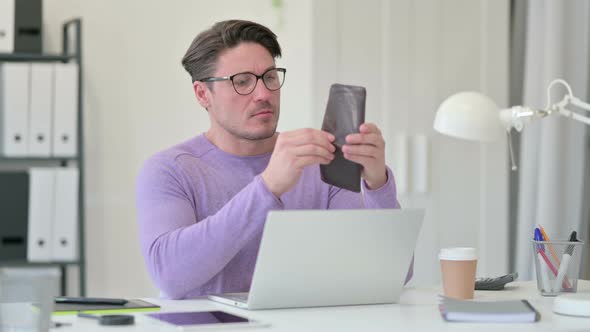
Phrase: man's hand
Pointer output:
(368, 149)
(293, 151)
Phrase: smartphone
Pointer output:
(194, 320)
(345, 112)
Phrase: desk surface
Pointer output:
(417, 311)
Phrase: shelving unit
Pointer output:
(71, 32)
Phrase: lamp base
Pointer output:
(577, 304)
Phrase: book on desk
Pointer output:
(514, 311)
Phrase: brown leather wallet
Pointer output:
(345, 113)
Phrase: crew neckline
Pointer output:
(231, 155)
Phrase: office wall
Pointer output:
(409, 54)
(138, 100)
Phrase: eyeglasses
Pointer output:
(245, 83)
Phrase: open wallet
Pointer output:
(345, 113)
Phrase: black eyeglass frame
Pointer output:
(258, 77)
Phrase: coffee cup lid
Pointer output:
(457, 254)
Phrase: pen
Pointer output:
(544, 272)
(565, 259)
(541, 250)
(546, 238)
(566, 283)
(549, 264)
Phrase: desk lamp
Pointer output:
(474, 116)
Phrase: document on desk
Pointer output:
(515, 311)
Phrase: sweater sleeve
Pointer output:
(180, 252)
(380, 198)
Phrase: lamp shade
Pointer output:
(469, 115)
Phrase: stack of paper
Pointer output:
(516, 311)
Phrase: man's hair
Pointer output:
(200, 59)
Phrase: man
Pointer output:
(202, 204)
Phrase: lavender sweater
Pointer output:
(201, 213)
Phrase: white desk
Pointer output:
(417, 311)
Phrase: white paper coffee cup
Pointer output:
(457, 254)
(458, 267)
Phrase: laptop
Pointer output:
(312, 258)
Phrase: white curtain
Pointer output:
(553, 151)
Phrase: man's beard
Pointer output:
(237, 132)
(255, 136)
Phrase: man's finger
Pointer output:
(368, 127)
(372, 139)
(310, 135)
(361, 150)
(311, 160)
(313, 150)
(307, 136)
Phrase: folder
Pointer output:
(7, 16)
(65, 216)
(131, 306)
(65, 106)
(41, 205)
(28, 26)
(14, 195)
(14, 109)
(134, 305)
(41, 105)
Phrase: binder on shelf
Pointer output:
(41, 211)
(65, 106)
(40, 112)
(14, 109)
(7, 26)
(65, 216)
(14, 195)
(28, 19)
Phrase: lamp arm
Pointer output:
(516, 116)
(574, 116)
(577, 102)
(568, 99)
(571, 100)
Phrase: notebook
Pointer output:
(515, 311)
(130, 306)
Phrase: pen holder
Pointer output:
(557, 264)
(26, 298)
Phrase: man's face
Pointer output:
(253, 116)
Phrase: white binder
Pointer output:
(14, 109)
(65, 115)
(7, 15)
(65, 217)
(41, 109)
(41, 210)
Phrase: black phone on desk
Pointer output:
(345, 112)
